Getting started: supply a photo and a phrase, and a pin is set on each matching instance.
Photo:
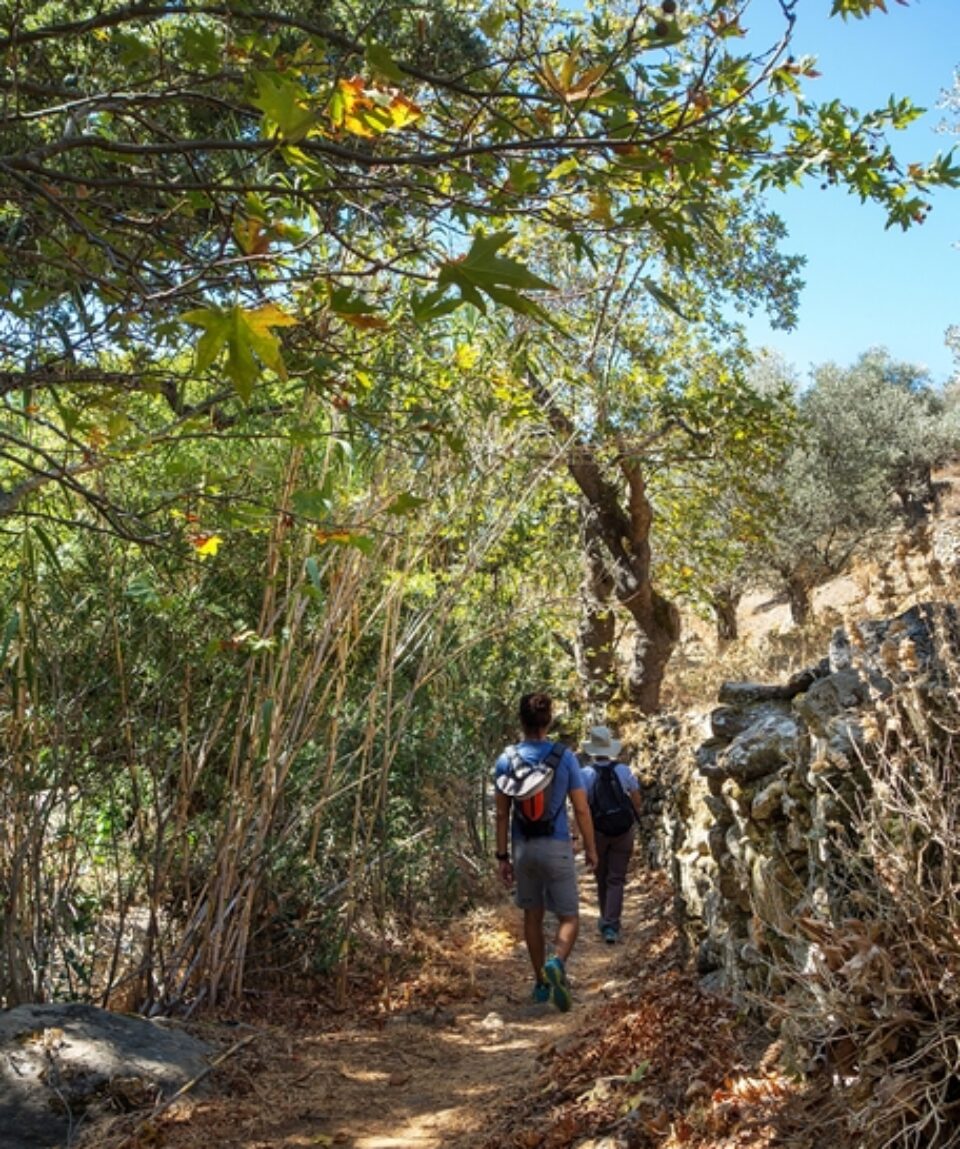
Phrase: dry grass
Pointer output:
(875, 1008)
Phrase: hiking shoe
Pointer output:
(541, 993)
(610, 935)
(556, 976)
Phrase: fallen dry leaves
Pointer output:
(657, 1063)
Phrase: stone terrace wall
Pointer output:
(748, 827)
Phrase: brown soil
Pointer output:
(455, 1055)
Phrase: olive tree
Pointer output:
(870, 435)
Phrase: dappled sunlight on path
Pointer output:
(462, 1059)
(432, 1082)
(428, 1081)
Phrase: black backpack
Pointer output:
(533, 814)
(612, 811)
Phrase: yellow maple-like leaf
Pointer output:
(549, 78)
(403, 111)
(257, 324)
(365, 322)
(206, 545)
(369, 111)
(269, 315)
(587, 85)
(250, 236)
(570, 87)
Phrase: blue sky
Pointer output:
(866, 286)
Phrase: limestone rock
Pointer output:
(750, 693)
(830, 697)
(769, 743)
(768, 801)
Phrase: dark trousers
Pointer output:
(613, 859)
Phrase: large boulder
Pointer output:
(773, 740)
(63, 1065)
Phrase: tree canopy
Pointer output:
(245, 169)
(209, 210)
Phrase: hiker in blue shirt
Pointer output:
(534, 778)
(614, 797)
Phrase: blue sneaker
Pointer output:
(555, 974)
(541, 993)
(610, 935)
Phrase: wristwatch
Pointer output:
(502, 857)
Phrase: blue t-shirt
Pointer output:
(624, 774)
(566, 777)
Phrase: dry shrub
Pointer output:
(775, 655)
(876, 1005)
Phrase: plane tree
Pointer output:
(256, 180)
(645, 391)
(693, 442)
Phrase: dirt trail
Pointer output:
(435, 1077)
(443, 1064)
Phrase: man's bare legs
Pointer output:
(568, 926)
(533, 936)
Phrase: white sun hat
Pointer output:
(600, 743)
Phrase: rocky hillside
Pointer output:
(906, 568)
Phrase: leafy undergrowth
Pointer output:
(452, 1054)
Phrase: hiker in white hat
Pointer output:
(614, 798)
(534, 779)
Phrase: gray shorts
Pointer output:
(546, 875)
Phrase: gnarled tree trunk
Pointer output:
(799, 591)
(725, 600)
(624, 534)
(596, 632)
(917, 494)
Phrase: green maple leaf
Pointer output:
(284, 105)
(259, 324)
(247, 335)
(482, 272)
(482, 268)
(216, 330)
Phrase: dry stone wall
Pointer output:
(750, 826)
